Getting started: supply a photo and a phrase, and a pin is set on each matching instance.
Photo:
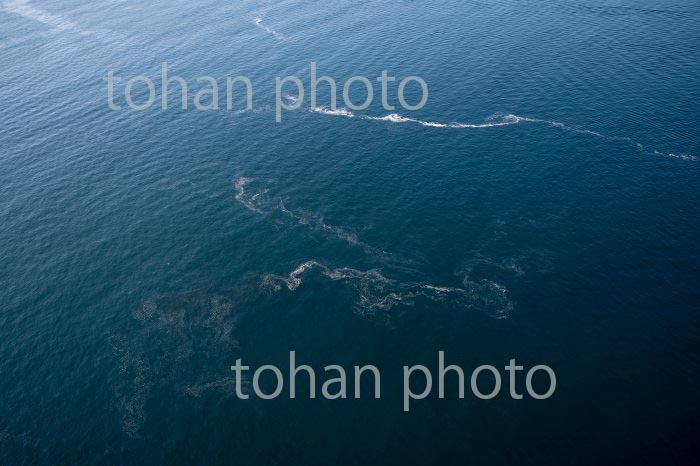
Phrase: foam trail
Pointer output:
(492, 121)
(243, 198)
(337, 112)
(376, 291)
(640, 147)
(23, 8)
(252, 203)
(338, 232)
(497, 120)
(277, 35)
(344, 235)
(298, 218)
(396, 118)
(678, 156)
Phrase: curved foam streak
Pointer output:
(376, 291)
(251, 202)
(260, 25)
(640, 147)
(492, 121)
(243, 198)
(338, 232)
(342, 234)
(497, 120)
(298, 218)
(294, 280)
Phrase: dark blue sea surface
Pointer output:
(542, 206)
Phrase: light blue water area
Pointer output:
(542, 206)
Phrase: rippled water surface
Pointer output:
(542, 206)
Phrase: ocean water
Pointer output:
(542, 206)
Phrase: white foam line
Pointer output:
(640, 147)
(241, 195)
(334, 112)
(338, 232)
(379, 292)
(506, 120)
(277, 35)
(300, 219)
(251, 202)
(501, 120)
